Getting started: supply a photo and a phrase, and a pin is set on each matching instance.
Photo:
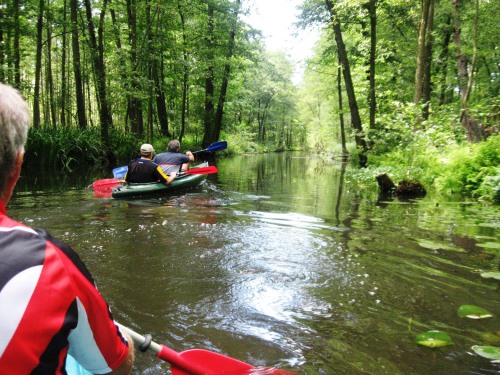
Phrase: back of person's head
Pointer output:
(174, 146)
(147, 150)
(14, 122)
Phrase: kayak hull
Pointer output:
(183, 182)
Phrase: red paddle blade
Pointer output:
(202, 170)
(205, 362)
(202, 362)
(253, 371)
(107, 183)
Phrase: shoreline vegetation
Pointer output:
(451, 169)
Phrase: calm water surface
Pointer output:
(284, 261)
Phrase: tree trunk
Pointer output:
(353, 105)
(424, 57)
(63, 93)
(225, 78)
(134, 103)
(185, 72)
(97, 53)
(345, 153)
(49, 79)
(442, 66)
(38, 65)
(17, 50)
(475, 133)
(426, 82)
(209, 82)
(80, 98)
(372, 98)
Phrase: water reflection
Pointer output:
(286, 261)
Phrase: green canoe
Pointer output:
(185, 181)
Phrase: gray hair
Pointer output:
(14, 122)
(174, 145)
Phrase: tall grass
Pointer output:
(64, 148)
(70, 148)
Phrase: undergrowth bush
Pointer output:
(473, 170)
(434, 152)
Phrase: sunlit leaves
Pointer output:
(434, 339)
(473, 312)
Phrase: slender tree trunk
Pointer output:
(426, 83)
(372, 98)
(225, 78)
(50, 77)
(97, 54)
(424, 57)
(17, 50)
(209, 81)
(442, 66)
(158, 87)
(475, 133)
(185, 71)
(122, 69)
(353, 105)
(38, 65)
(63, 92)
(134, 105)
(345, 153)
(80, 98)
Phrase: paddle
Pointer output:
(216, 146)
(120, 172)
(199, 361)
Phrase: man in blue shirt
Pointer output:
(172, 161)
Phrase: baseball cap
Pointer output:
(146, 147)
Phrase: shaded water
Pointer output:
(284, 261)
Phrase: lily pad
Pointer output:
(473, 312)
(490, 352)
(434, 339)
(491, 275)
(433, 245)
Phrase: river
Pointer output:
(284, 260)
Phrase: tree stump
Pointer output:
(385, 183)
(405, 188)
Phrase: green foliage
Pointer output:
(64, 148)
(473, 170)
(125, 146)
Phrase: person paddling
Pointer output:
(143, 169)
(50, 306)
(172, 161)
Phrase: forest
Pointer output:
(404, 87)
